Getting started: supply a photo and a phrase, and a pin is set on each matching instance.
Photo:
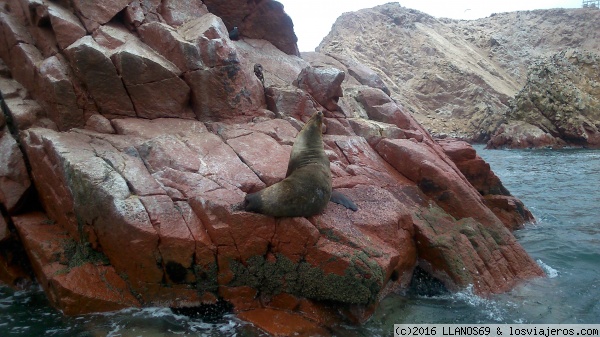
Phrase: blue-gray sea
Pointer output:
(560, 187)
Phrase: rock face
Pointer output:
(457, 77)
(127, 151)
(559, 105)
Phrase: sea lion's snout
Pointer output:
(252, 203)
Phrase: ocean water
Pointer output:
(560, 187)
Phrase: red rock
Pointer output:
(238, 235)
(168, 151)
(284, 301)
(96, 13)
(147, 129)
(89, 182)
(45, 41)
(380, 107)
(222, 164)
(254, 148)
(216, 159)
(112, 36)
(467, 253)
(99, 123)
(243, 298)
(53, 192)
(81, 289)
(14, 179)
(337, 126)
(177, 12)
(319, 313)
(59, 95)
(232, 12)
(152, 82)
(95, 69)
(280, 130)
(510, 210)
(90, 289)
(324, 84)
(134, 14)
(13, 32)
(436, 179)
(282, 323)
(373, 231)
(24, 58)
(293, 237)
(225, 92)
(174, 47)
(370, 130)
(205, 249)
(65, 24)
(507, 208)
(290, 101)
(176, 243)
(210, 35)
(371, 97)
(11, 88)
(24, 113)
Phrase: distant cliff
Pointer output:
(458, 77)
(558, 106)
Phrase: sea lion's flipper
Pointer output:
(343, 200)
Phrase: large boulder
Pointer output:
(152, 82)
(93, 66)
(324, 84)
(66, 26)
(59, 95)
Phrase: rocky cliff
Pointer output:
(458, 77)
(132, 130)
(558, 106)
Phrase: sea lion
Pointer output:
(306, 189)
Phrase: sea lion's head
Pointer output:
(253, 202)
(314, 125)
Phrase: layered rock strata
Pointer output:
(458, 77)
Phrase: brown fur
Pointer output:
(306, 189)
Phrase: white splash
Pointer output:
(491, 308)
(551, 272)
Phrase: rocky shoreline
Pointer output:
(559, 106)
(131, 133)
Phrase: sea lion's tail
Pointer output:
(343, 200)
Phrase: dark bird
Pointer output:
(234, 34)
